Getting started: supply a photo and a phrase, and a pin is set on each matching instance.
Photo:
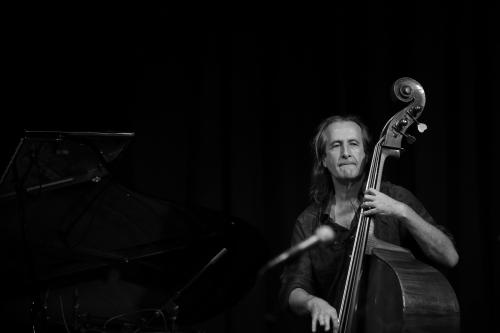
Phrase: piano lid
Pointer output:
(45, 160)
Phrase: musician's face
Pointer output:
(345, 152)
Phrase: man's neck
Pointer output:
(347, 191)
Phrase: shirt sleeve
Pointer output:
(297, 273)
(404, 195)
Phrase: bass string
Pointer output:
(359, 247)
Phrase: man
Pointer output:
(312, 284)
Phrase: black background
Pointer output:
(224, 102)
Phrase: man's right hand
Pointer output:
(302, 303)
(322, 313)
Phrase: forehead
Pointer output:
(343, 130)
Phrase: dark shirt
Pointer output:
(321, 271)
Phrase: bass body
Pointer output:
(398, 293)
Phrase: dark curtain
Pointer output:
(224, 107)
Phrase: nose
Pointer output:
(346, 152)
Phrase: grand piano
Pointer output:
(83, 252)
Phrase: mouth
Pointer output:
(344, 164)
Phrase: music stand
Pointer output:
(61, 159)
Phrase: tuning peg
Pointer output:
(409, 138)
(420, 126)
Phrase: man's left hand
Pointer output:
(378, 203)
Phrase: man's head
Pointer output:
(341, 148)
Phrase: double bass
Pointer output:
(391, 291)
